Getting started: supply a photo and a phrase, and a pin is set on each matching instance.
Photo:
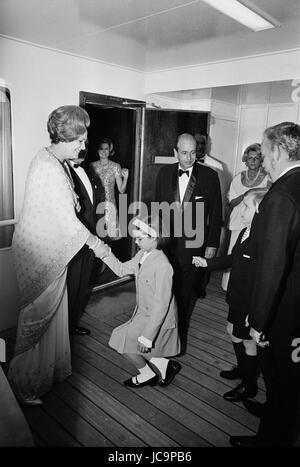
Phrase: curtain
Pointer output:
(6, 169)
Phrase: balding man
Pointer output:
(191, 187)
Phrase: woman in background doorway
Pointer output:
(253, 177)
(105, 174)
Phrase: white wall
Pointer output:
(40, 80)
(223, 134)
(262, 105)
(275, 66)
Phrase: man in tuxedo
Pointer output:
(81, 265)
(189, 185)
(203, 144)
(274, 314)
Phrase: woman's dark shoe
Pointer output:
(240, 393)
(133, 382)
(172, 369)
(231, 374)
(254, 407)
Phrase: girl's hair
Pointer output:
(255, 147)
(156, 223)
(67, 123)
(110, 145)
(257, 193)
(287, 136)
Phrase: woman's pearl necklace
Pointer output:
(251, 182)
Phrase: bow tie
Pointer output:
(181, 172)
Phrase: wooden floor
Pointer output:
(93, 408)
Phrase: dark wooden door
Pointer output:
(160, 131)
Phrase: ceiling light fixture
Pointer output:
(244, 12)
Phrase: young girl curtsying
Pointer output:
(151, 334)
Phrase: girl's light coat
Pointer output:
(155, 313)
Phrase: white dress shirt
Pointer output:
(183, 182)
(85, 179)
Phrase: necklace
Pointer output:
(251, 182)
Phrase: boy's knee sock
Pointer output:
(239, 351)
(161, 364)
(250, 371)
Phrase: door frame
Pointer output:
(106, 101)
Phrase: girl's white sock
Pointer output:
(145, 374)
(161, 364)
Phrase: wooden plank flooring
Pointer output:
(93, 408)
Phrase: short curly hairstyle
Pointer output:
(287, 136)
(255, 147)
(67, 123)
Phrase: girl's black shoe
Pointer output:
(133, 382)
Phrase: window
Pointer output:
(6, 171)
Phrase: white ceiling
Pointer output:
(147, 35)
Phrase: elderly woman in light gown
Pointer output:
(106, 174)
(46, 238)
(253, 177)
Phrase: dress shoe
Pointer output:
(133, 382)
(31, 402)
(243, 441)
(232, 374)
(172, 369)
(254, 407)
(82, 331)
(239, 394)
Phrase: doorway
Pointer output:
(117, 119)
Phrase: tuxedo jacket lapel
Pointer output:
(191, 185)
(83, 190)
(175, 184)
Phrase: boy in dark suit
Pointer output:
(237, 297)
